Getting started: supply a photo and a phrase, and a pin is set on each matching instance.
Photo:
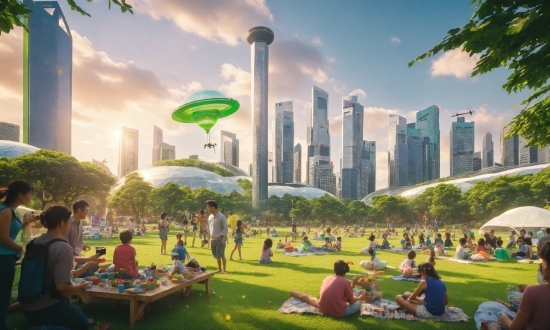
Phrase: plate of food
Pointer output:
(134, 291)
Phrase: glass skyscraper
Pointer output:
(283, 143)
(128, 151)
(509, 149)
(398, 151)
(352, 143)
(527, 154)
(229, 145)
(462, 146)
(487, 151)
(416, 156)
(427, 121)
(47, 77)
(259, 39)
(298, 163)
(368, 166)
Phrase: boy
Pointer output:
(461, 253)
(448, 242)
(511, 240)
(124, 256)
(501, 253)
(181, 251)
(524, 250)
(438, 240)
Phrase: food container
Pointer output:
(369, 285)
(151, 286)
(100, 250)
(95, 280)
(176, 281)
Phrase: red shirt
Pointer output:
(535, 301)
(480, 248)
(336, 292)
(125, 258)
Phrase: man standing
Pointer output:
(75, 238)
(203, 233)
(218, 234)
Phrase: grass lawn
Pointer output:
(241, 299)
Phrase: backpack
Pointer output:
(34, 268)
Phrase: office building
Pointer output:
(283, 143)
(416, 156)
(427, 121)
(528, 155)
(259, 39)
(103, 166)
(161, 150)
(158, 136)
(352, 143)
(47, 77)
(544, 155)
(462, 146)
(476, 162)
(128, 151)
(229, 145)
(298, 163)
(398, 151)
(509, 149)
(368, 166)
(9, 132)
(323, 177)
(487, 151)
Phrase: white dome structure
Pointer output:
(530, 218)
(11, 149)
(294, 189)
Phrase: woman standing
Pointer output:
(185, 227)
(163, 232)
(194, 221)
(18, 193)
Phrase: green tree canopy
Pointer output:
(358, 210)
(448, 204)
(168, 199)
(513, 34)
(190, 162)
(132, 196)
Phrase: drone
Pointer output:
(104, 161)
(463, 113)
(210, 146)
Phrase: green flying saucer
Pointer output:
(204, 108)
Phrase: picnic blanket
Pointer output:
(469, 261)
(409, 279)
(295, 305)
(489, 312)
(399, 250)
(452, 314)
(303, 254)
(527, 261)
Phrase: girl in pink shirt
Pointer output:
(125, 256)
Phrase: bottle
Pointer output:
(120, 287)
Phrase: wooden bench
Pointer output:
(138, 302)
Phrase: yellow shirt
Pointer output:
(232, 222)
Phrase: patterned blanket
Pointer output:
(452, 314)
(303, 254)
(294, 305)
(401, 278)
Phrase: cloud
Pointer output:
(239, 80)
(358, 92)
(317, 74)
(226, 22)
(456, 62)
(316, 41)
(331, 59)
(395, 40)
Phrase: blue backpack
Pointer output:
(34, 268)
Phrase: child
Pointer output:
(500, 253)
(431, 258)
(461, 253)
(124, 256)
(481, 246)
(328, 245)
(511, 240)
(408, 265)
(181, 251)
(438, 239)
(525, 251)
(280, 245)
(406, 242)
(179, 268)
(448, 242)
(238, 235)
(421, 240)
(338, 244)
(265, 258)
(428, 241)
(306, 245)
(385, 244)
(372, 244)
(436, 297)
(370, 265)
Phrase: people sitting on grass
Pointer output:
(374, 263)
(280, 244)
(372, 244)
(488, 246)
(179, 268)
(526, 240)
(533, 308)
(336, 297)
(307, 246)
(408, 265)
(511, 240)
(385, 244)
(288, 246)
(406, 242)
(124, 257)
(438, 239)
(435, 295)
(428, 241)
(266, 255)
(338, 244)
(448, 242)
(53, 309)
(525, 251)
(461, 253)
(501, 253)
(327, 246)
(421, 240)
(480, 245)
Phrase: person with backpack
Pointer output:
(45, 281)
(17, 193)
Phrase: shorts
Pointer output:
(239, 241)
(423, 313)
(218, 249)
(203, 234)
(163, 234)
(521, 254)
(194, 227)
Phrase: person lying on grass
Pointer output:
(435, 295)
(336, 298)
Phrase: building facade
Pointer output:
(476, 162)
(427, 121)
(161, 150)
(352, 143)
(47, 77)
(509, 149)
(416, 156)
(544, 155)
(462, 146)
(128, 151)
(487, 151)
(398, 151)
(527, 154)
(283, 143)
(368, 164)
(9, 132)
(229, 145)
(298, 163)
(259, 39)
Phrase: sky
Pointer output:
(134, 70)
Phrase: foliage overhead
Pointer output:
(513, 34)
(132, 196)
(189, 162)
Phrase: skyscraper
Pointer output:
(462, 146)
(158, 136)
(298, 163)
(398, 151)
(544, 155)
(47, 77)
(259, 39)
(161, 150)
(509, 149)
(368, 166)
(128, 151)
(527, 154)
(487, 151)
(427, 121)
(476, 162)
(352, 143)
(416, 156)
(9, 132)
(283, 143)
(229, 145)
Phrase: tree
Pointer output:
(8, 171)
(301, 209)
(421, 204)
(358, 210)
(328, 208)
(168, 199)
(87, 179)
(132, 196)
(390, 209)
(448, 204)
(513, 34)
(14, 12)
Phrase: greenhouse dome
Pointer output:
(307, 192)
(11, 149)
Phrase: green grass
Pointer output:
(242, 296)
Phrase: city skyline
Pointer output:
(283, 143)
(138, 87)
(229, 148)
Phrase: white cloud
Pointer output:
(316, 74)
(456, 62)
(395, 40)
(239, 80)
(359, 92)
(331, 59)
(316, 41)
(225, 22)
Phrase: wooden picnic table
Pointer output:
(138, 302)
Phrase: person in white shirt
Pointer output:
(131, 226)
(217, 222)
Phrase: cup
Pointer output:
(111, 275)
